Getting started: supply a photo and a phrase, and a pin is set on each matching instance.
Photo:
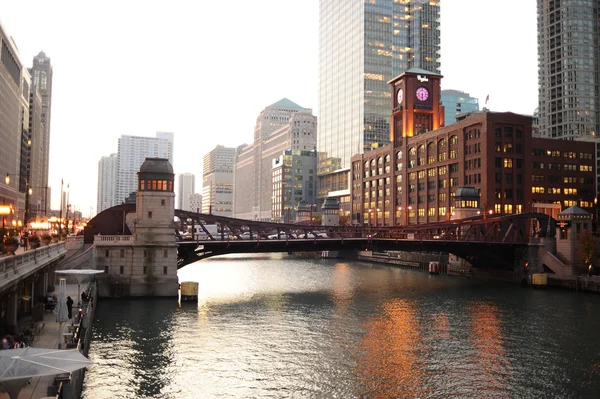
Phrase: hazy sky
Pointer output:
(205, 69)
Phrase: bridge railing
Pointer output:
(115, 240)
(13, 267)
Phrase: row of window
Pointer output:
(122, 253)
(565, 154)
(553, 190)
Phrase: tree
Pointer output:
(587, 249)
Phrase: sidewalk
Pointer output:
(48, 337)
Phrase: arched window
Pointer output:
(399, 155)
(453, 140)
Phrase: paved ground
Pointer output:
(47, 338)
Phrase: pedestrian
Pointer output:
(83, 297)
(70, 306)
(5, 344)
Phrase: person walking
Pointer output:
(70, 306)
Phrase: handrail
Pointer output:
(13, 267)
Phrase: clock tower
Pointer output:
(416, 105)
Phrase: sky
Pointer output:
(205, 69)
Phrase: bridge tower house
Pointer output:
(571, 223)
(145, 262)
(331, 212)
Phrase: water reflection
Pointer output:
(391, 364)
(284, 327)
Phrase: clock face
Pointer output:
(400, 96)
(422, 94)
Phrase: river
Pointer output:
(283, 327)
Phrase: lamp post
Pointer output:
(596, 213)
(376, 217)
(369, 211)
(406, 214)
(399, 220)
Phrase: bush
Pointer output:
(46, 238)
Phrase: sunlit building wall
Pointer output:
(186, 185)
(107, 183)
(362, 45)
(217, 181)
(569, 68)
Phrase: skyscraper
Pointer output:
(217, 181)
(133, 151)
(457, 102)
(362, 46)
(41, 76)
(186, 186)
(569, 68)
(281, 126)
(107, 183)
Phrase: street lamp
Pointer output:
(376, 217)
(399, 215)
(369, 211)
(406, 214)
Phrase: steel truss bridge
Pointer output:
(497, 242)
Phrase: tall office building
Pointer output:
(186, 185)
(217, 181)
(362, 45)
(41, 75)
(107, 183)
(457, 102)
(281, 126)
(569, 68)
(14, 131)
(133, 151)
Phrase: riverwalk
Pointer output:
(48, 337)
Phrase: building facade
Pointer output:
(281, 126)
(217, 181)
(186, 186)
(133, 150)
(107, 183)
(457, 102)
(14, 132)
(362, 45)
(294, 181)
(414, 179)
(194, 202)
(569, 68)
(41, 75)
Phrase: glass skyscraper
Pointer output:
(457, 102)
(569, 69)
(363, 45)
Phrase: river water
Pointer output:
(282, 327)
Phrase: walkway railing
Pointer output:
(16, 267)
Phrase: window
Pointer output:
(106, 253)
(145, 269)
(121, 269)
(106, 269)
(149, 214)
(165, 269)
(162, 202)
(165, 253)
(508, 163)
(122, 253)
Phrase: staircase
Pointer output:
(554, 264)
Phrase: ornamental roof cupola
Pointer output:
(156, 174)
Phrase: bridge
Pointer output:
(495, 241)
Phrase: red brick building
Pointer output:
(414, 179)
